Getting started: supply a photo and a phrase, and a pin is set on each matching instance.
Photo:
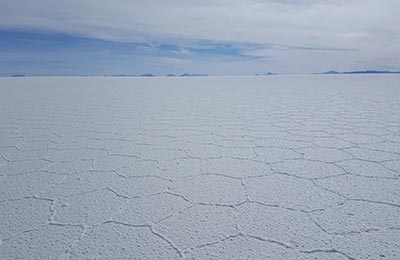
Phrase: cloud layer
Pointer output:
(286, 36)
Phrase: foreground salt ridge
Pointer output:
(297, 167)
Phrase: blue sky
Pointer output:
(50, 53)
(87, 37)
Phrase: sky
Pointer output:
(216, 37)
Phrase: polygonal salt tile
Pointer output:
(170, 144)
(235, 167)
(140, 168)
(75, 143)
(331, 142)
(198, 225)
(384, 146)
(368, 169)
(2, 161)
(36, 146)
(71, 167)
(73, 155)
(290, 192)
(210, 189)
(81, 183)
(118, 241)
(282, 143)
(357, 187)
(161, 141)
(357, 216)
(310, 133)
(339, 127)
(13, 168)
(136, 187)
(49, 242)
(394, 137)
(377, 129)
(229, 132)
(393, 165)
(180, 168)
(149, 152)
(88, 208)
(383, 244)
(273, 155)
(34, 133)
(27, 185)
(107, 143)
(360, 138)
(21, 215)
(241, 153)
(307, 169)
(231, 143)
(199, 138)
(111, 163)
(151, 209)
(204, 151)
(327, 254)
(372, 155)
(9, 141)
(240, 248)
(263, 133)
(293, 228)
(15, 155)
(325, 154)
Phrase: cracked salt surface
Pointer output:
(285, 167)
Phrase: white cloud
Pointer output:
(370, 27)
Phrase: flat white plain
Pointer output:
(280, 167)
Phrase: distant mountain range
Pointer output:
(169, 75)
(129, 75)
(332, 72)
(265, 74)
(193, 75)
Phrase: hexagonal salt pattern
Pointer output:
(240, 247)
(199, 225)
(152, 209)
(48, 242)
(289, 227)
(291, 192)
(357, 217)
(26, 214)
(286, 167)
(120, 241)
(210, 189)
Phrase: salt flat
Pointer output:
(282, 167)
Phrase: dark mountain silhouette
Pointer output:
(193, 75)
(265, 74)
